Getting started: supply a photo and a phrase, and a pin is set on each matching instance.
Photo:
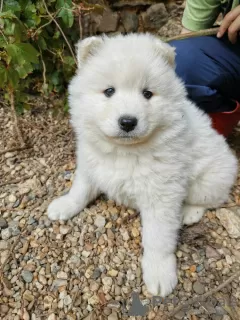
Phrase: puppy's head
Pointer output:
(125, 88)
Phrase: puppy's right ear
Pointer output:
(87, 47)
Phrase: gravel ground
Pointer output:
(88, 267)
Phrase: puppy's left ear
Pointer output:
(86, 48)
(167, 52)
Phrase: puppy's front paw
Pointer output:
(159, 273)
(63, 208)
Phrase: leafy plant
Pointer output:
(36, 46)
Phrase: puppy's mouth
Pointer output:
(124, 138)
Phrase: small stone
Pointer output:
(228, 259)
(27, 295)
(3, 223)
(94, 286)
(135, 232)
(114, 304)
(198, 287)
(187, 285)
(62, 275)
(52, 316)
(99, 221)
(64, 229)
(192, 268)
(180, 315)
(113, 316)
(212, 253)
(107, 281)
(6, 233)
(125, 235)
(96, 274)
(67, 300)
(230, 220)
(179, 254)
(12, 198)
(4, 309)
(27, 276)
(47, 302)
(86, 253)
(200, 268)
(113, 273)
(25, 315)
(3, 245)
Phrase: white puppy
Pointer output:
(144, 144)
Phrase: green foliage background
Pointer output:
(34, 54)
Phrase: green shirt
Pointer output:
(201, 14)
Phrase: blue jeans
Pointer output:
(210, 69)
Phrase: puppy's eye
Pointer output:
(147, 94)
(109, 92)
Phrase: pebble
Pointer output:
(3, 223)
(6, 233)
(96, 274)
(113, 273)
(198, 287)
(27, 295)
(52, 316)
(113, 316)
(100, 221)
(62, 275)
(27, 276)
(64, 229)
(135, 232)
(212, 253)
(114, 304)
(4, 309)
(12, 198)
(230, 220)
(187, 285)
(67, 300)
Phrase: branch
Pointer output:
(201, 298)
(1, 6)
(60, 29)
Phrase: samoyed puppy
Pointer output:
(145, 145)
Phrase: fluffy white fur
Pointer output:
(171, 167)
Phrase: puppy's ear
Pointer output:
(87, 47)
(167, 52)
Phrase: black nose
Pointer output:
(127, 123)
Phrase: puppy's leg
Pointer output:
(81, 193)
(192, 214)
(211, 188)
(159, 238)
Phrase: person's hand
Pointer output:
(231, 24)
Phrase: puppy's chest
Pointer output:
(122, 179)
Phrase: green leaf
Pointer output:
(13, 77)
(22, 52)
(11, 5)
(65, 12)
(3, 75)
(7, 15)
(3, 42)
(24, 70)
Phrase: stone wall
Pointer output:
(122, 16)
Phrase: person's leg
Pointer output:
(210, 69)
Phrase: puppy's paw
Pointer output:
(159, 273)
(192, 214)
(63, 208)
